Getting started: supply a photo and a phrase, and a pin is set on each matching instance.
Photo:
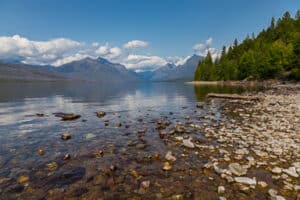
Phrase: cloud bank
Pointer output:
(60, 51)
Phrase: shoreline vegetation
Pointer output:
(273, 53)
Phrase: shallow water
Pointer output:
(135, 146)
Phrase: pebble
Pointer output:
(291, 171)
(23, 179)
(100, 114)
(167, 166)
(65, 136)
(245, 180)
(277, 170)
(221, 190)
(145, 184)
(188, 143)
(41, 152)
(170, 157)
(237, 169)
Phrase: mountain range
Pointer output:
(99, 69)
(171, 72)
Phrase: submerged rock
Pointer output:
(67, 117)
(188, 143)
(100, 114)
(237, 169)
(65, 136)
(167, 166)
(170, 157)
(23, 179)
(245, 180)
(90, 136)
(41, 152)
(145, 184)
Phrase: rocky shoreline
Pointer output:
(243, 148)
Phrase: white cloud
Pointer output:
(203, 48)
(143, 61)
(108, 52)
(35, 52)
(135, 44)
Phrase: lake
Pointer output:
(112, 157)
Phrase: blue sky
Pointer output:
(169, 27)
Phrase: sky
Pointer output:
(141, 35)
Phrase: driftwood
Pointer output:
(233, 96)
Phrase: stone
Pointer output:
(170, 157)
(167, 166)
(100, 114)
(52, 166)
(98, 180)
(291, 172)
(245, 180)
(145, 184)
(277, 170)
(67, 117)
(177, 197)
(237, 169)
(272, 192)
(188, 143)
(65, 136)
(41, 152)
(67, 157)
(23, 179)
(89, 136)
(221, 190)
(262, 184)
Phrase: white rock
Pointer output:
(170, 157)
(291, 171)
(272, 192)
(188, 143)
(277, 170)
(222, 198)
(245, 180)
(237, 169)
(221, 190)
(262, 184)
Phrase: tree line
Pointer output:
(273, 53)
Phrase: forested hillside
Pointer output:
(273, 53)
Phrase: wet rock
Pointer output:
(51, 166)
(277, 170)
(4, 180)
(40, 114)
(113, 168)
(167, 166)
(291, 172)
(141, 146)
(145, 184)
(163, 134)
(188, 143)
(99, 180)
(98, 154)
(245, 180)
(237, 169)
(68, 117)
(177, 197)
(65, 136)
(63, 178)
(90, 136)
(170, 157)
(41, 152)
(221, 190)
(118, 124)
(262, 184)
(67, 157)
(100, 114)
(135, 174)
(23, 179)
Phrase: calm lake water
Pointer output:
(129, 141)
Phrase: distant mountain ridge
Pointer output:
(87, 69)
(23, 72)
(171, 72)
